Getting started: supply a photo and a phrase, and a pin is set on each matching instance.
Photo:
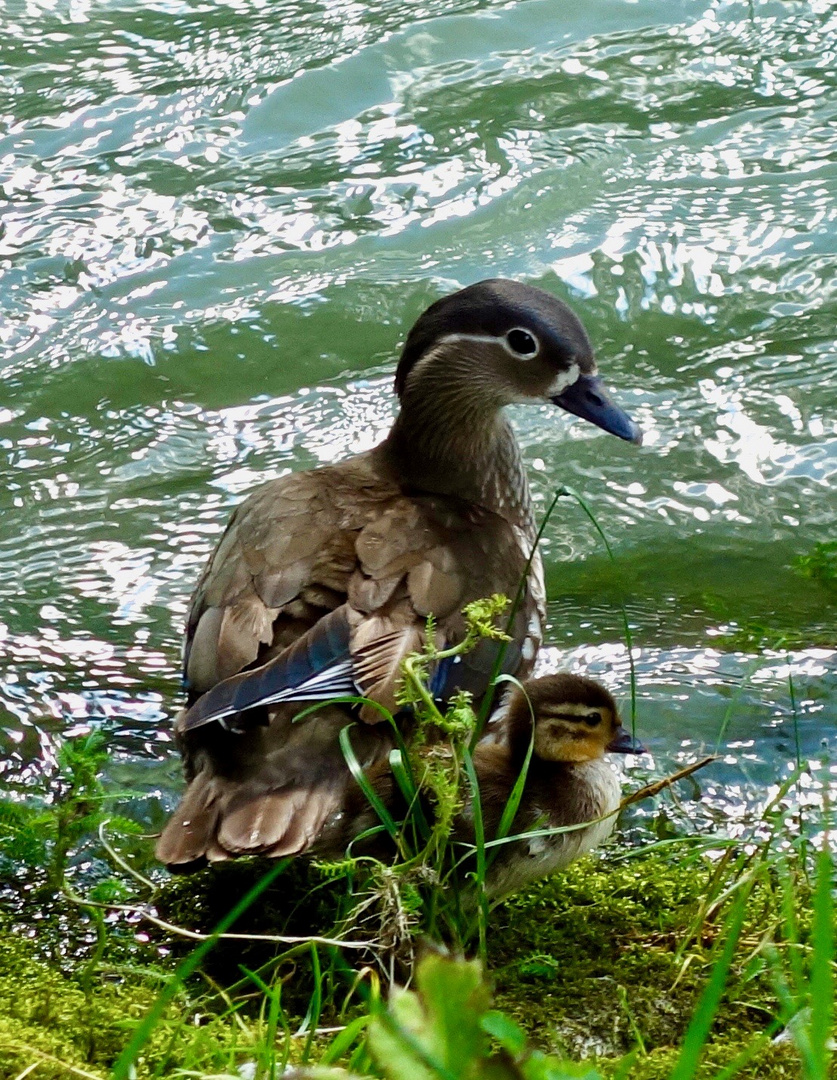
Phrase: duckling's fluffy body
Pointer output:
(569, 722)
(323, 580)
(557, 795)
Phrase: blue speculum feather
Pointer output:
(439, 678)
(317, 666)
(472, 671)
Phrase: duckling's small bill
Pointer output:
(625, 743)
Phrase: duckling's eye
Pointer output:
(521, 342)
(593, 719)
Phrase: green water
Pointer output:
(219, 220)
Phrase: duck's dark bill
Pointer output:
(588, 399)
(625, 743)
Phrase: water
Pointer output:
(219, 220)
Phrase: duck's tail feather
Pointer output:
(190, 831)
(275, 823)
(217, 821)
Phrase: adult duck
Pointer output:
(324, 579)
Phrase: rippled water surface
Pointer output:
(219, 219)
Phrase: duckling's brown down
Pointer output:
(570, 722)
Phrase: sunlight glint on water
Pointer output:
(219, 223)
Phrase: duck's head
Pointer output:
(576, 720)
(499, 342)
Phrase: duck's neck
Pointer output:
(451, 438)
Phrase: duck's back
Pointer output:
(347, 536)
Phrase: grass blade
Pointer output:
(701, 1023)
(479, 843)
(732, 705)
(363, 782)
(400, 767)
(488, 699)
(513, 801)
(315, 1005)
(275, 1018)
(822, 985)
(339, 1045)
(123, 1068)
(629, 641)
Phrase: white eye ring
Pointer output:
(522, 343)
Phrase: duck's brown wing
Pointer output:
(412, 557)
(284, 561)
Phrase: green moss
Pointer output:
(62, 1023)
(46, 1014)
(584, 959)
(769, 1063)
(609, 957)
(603, 959)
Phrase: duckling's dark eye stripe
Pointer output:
(589, 716)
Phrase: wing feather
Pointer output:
(323, 647)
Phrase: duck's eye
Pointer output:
(521, 342)
(593, 719)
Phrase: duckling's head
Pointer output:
(576, 720)
(499, 342)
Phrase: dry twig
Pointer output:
(650, 790)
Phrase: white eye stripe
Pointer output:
(501, 340)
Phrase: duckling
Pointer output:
(323, 580)
(568, 783)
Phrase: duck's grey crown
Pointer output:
(492, 308)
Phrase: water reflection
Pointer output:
(219, 222)
(762, 717)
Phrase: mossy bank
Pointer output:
(607, 959)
